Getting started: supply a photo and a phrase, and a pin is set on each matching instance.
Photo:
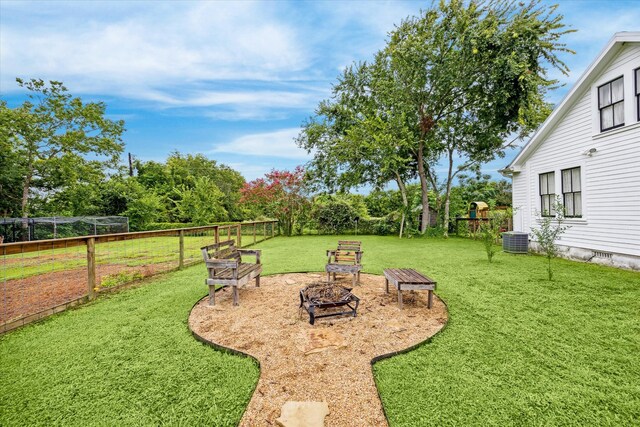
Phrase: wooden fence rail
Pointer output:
(22, 271)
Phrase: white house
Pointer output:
(587, 153)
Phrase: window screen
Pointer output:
(611, 104)
(572, 192)
(547, 193)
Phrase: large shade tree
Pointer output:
(189, 175)
(476, 73)
(55, 139)
(202, 203)
(356, 139)
(462, 77)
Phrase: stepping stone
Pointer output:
(290, 282)
(303, 414)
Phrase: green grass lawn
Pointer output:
(518, 349)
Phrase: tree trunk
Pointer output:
(405, 201)
(448, 194)
(25, 203)
(425, 189)
(434, 186)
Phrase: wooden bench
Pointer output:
(225, 267)
(347, 259)
(406, 279)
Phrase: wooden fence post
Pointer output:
(91, 266)
(254, 233)
(239, 235)
(216, 235)
(181, 256)
(264, 231)
(272, 229)
(228, 232)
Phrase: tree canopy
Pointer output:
(456, 81)
(281, 195)
(59, 156)
(185, 177)
(48, 139)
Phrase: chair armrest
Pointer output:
(256, 252)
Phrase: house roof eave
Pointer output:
(607, 53)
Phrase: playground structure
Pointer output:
(478, 212)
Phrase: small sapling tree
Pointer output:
(550, 230)
(489, 231)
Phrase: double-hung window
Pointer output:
(611, 104)
(636, 73)
(547, 193)
(572, 192)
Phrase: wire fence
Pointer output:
(58, 227)
(41, 278)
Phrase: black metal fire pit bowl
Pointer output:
(323, 295)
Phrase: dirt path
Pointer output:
(29, 295)
(330, 361)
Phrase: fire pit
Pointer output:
(322, 295)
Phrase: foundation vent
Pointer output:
(599, 254)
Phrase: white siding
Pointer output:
(610, 177)
(520, 203)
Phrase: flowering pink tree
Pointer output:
(281, 194)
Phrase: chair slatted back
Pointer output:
(349, 245)
(345, 257)
(347, 252)
(222, 250)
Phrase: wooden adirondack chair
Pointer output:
(225, 267)
(347, 259)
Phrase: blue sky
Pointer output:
(223, 78)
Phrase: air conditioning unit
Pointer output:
(515, 242)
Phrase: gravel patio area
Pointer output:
(329, 361)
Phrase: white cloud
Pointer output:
(248, 113)
(280, 143)
(126, 49)
(238, 104)
(176, 44)
(375, 20)
(194, 54)
(260, 98)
